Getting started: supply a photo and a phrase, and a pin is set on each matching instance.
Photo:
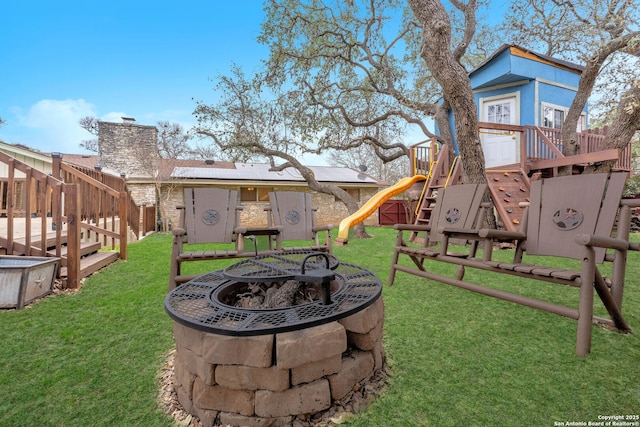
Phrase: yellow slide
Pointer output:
(374, 203)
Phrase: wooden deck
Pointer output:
(93, 258)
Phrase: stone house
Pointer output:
(254, 181)
(128, 149)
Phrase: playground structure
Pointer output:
(559, 222)
(434, 166)
(371, 205)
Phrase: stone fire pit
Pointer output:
(265, 367)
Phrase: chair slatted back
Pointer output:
(210, 214)
(294, 212)
(457, 206)
(563, 207)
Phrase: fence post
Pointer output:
(72, 208)
(143, 212)
(55, 167)
(123, 203)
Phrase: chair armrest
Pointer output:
(488, 233)
(327, 227)
(634, 203)
(261, 231)
(602, 242)
(470, 233)
(412, 227)
(179, 231)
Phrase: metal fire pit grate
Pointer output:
(272, 268)
(194, 304)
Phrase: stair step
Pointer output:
(86, 248)
(36, 241)
(92, 263)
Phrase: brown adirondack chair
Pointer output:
(293, 213)
(212, 215)
(457, 207)
(569, 217)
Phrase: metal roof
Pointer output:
(261, 172)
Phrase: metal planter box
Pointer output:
(25, 278)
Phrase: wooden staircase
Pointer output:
(508, 185)
(441, 174)
(88, 206)
(92, 258)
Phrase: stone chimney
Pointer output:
(128, 148)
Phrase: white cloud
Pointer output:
(114, 117)
(52, 125)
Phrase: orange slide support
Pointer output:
(372, 204)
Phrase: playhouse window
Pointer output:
(553, 117)
(499, 113)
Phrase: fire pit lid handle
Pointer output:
(314, 254)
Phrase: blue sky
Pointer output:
(61, 60)
(66, 59)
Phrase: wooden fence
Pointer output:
(149, 219)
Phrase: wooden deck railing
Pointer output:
(44, 211)
(101, 207)
(546, 143)
(42, 198)
(538, 143)
(93, 181)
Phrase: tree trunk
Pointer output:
(455, 83)
(570, 146)
(342, 195)
(625, 124)
(442, 118)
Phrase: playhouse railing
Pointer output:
(423, 156)
(546, 143)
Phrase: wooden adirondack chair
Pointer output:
(569, 217)
(212, 215)
(457, 207)
(293, 212)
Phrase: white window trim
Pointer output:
(582, 123)
(483, 100)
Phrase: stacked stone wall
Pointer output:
(128, 148)
(143, 194)
(272, 379)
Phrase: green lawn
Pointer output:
(456, 358)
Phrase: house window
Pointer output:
(553, 117)
(255, 194)
(353, 192)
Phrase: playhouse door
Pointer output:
(500, 147)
